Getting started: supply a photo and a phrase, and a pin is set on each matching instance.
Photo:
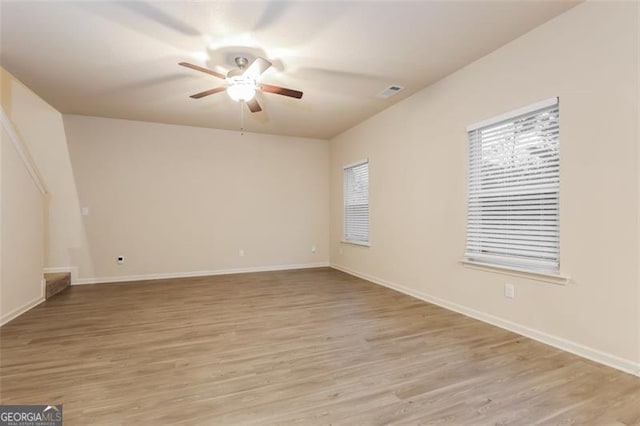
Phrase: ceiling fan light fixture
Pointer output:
(241, 89)
(241, 83)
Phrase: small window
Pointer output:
(514, 187)
(356, 203)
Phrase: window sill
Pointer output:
(356, 243)
(517, 272)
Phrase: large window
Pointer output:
(356, 203)
(514, 184)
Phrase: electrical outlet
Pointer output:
(84, 211)
(241, 252)
(509, 291)
(313, 249)
(120, 260)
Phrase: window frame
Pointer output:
(511, 261)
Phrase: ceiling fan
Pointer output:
(242, 82)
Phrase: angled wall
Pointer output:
(41, 128)
(22, 231)
(22, 217)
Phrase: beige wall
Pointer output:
(41, 128)
(177, 199)
(417, 150)
(638, 154)
(25, 213)
(22, 234)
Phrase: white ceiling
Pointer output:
(119, 59)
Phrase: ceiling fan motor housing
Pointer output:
(241, 62)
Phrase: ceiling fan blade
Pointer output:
(201, 69)
(281, 91)
(253, 105)
(257, 67)
(208, 92)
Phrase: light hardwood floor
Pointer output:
(295, 347)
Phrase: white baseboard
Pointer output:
(20, 310)
(146, 277)
(592, 354)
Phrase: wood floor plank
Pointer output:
(292, 347)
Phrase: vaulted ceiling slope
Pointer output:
(119, 59)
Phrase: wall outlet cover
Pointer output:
(509, 291)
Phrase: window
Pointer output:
(514, 186)
(356, 203)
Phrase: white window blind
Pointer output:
(514, 185)
(356, 202)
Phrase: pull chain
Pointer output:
(242, 118)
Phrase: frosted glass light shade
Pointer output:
(241, 90)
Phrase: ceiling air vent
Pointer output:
(389, 91)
